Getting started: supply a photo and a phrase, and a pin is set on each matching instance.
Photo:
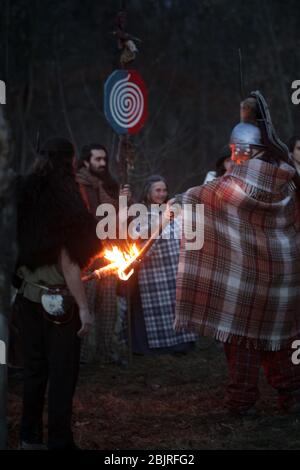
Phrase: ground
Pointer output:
(167, 402)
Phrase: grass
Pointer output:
(167, 402)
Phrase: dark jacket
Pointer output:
(94, 191)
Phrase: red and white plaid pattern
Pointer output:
(244, 366)
(245, 281)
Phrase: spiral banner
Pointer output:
(125, 101)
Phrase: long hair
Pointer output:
(110, 185)
(55, 163)
(51, 212)
(147, 187)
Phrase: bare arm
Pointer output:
(72, 275)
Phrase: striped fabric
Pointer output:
(244, 367)
(157, 283)
(100, 345)
(245, 281)
(157, 286)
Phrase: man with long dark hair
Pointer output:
(52, 224)
(97, 187)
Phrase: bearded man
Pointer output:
(98, 187)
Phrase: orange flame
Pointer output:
(120, 260)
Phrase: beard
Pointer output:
(100, 173)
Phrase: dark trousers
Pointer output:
(51, 357)
(244, 366)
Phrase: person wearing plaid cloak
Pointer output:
(243, 287)
(154, 287)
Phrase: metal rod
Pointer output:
(98, 273)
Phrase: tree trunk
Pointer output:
(7, 248)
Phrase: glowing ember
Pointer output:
(120, 260)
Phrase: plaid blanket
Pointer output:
(244, 284)
(157, 283)
(100, 345)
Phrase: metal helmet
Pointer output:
(244, 133)
(244, 139)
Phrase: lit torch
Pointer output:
(119, 262)
(122, 263)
